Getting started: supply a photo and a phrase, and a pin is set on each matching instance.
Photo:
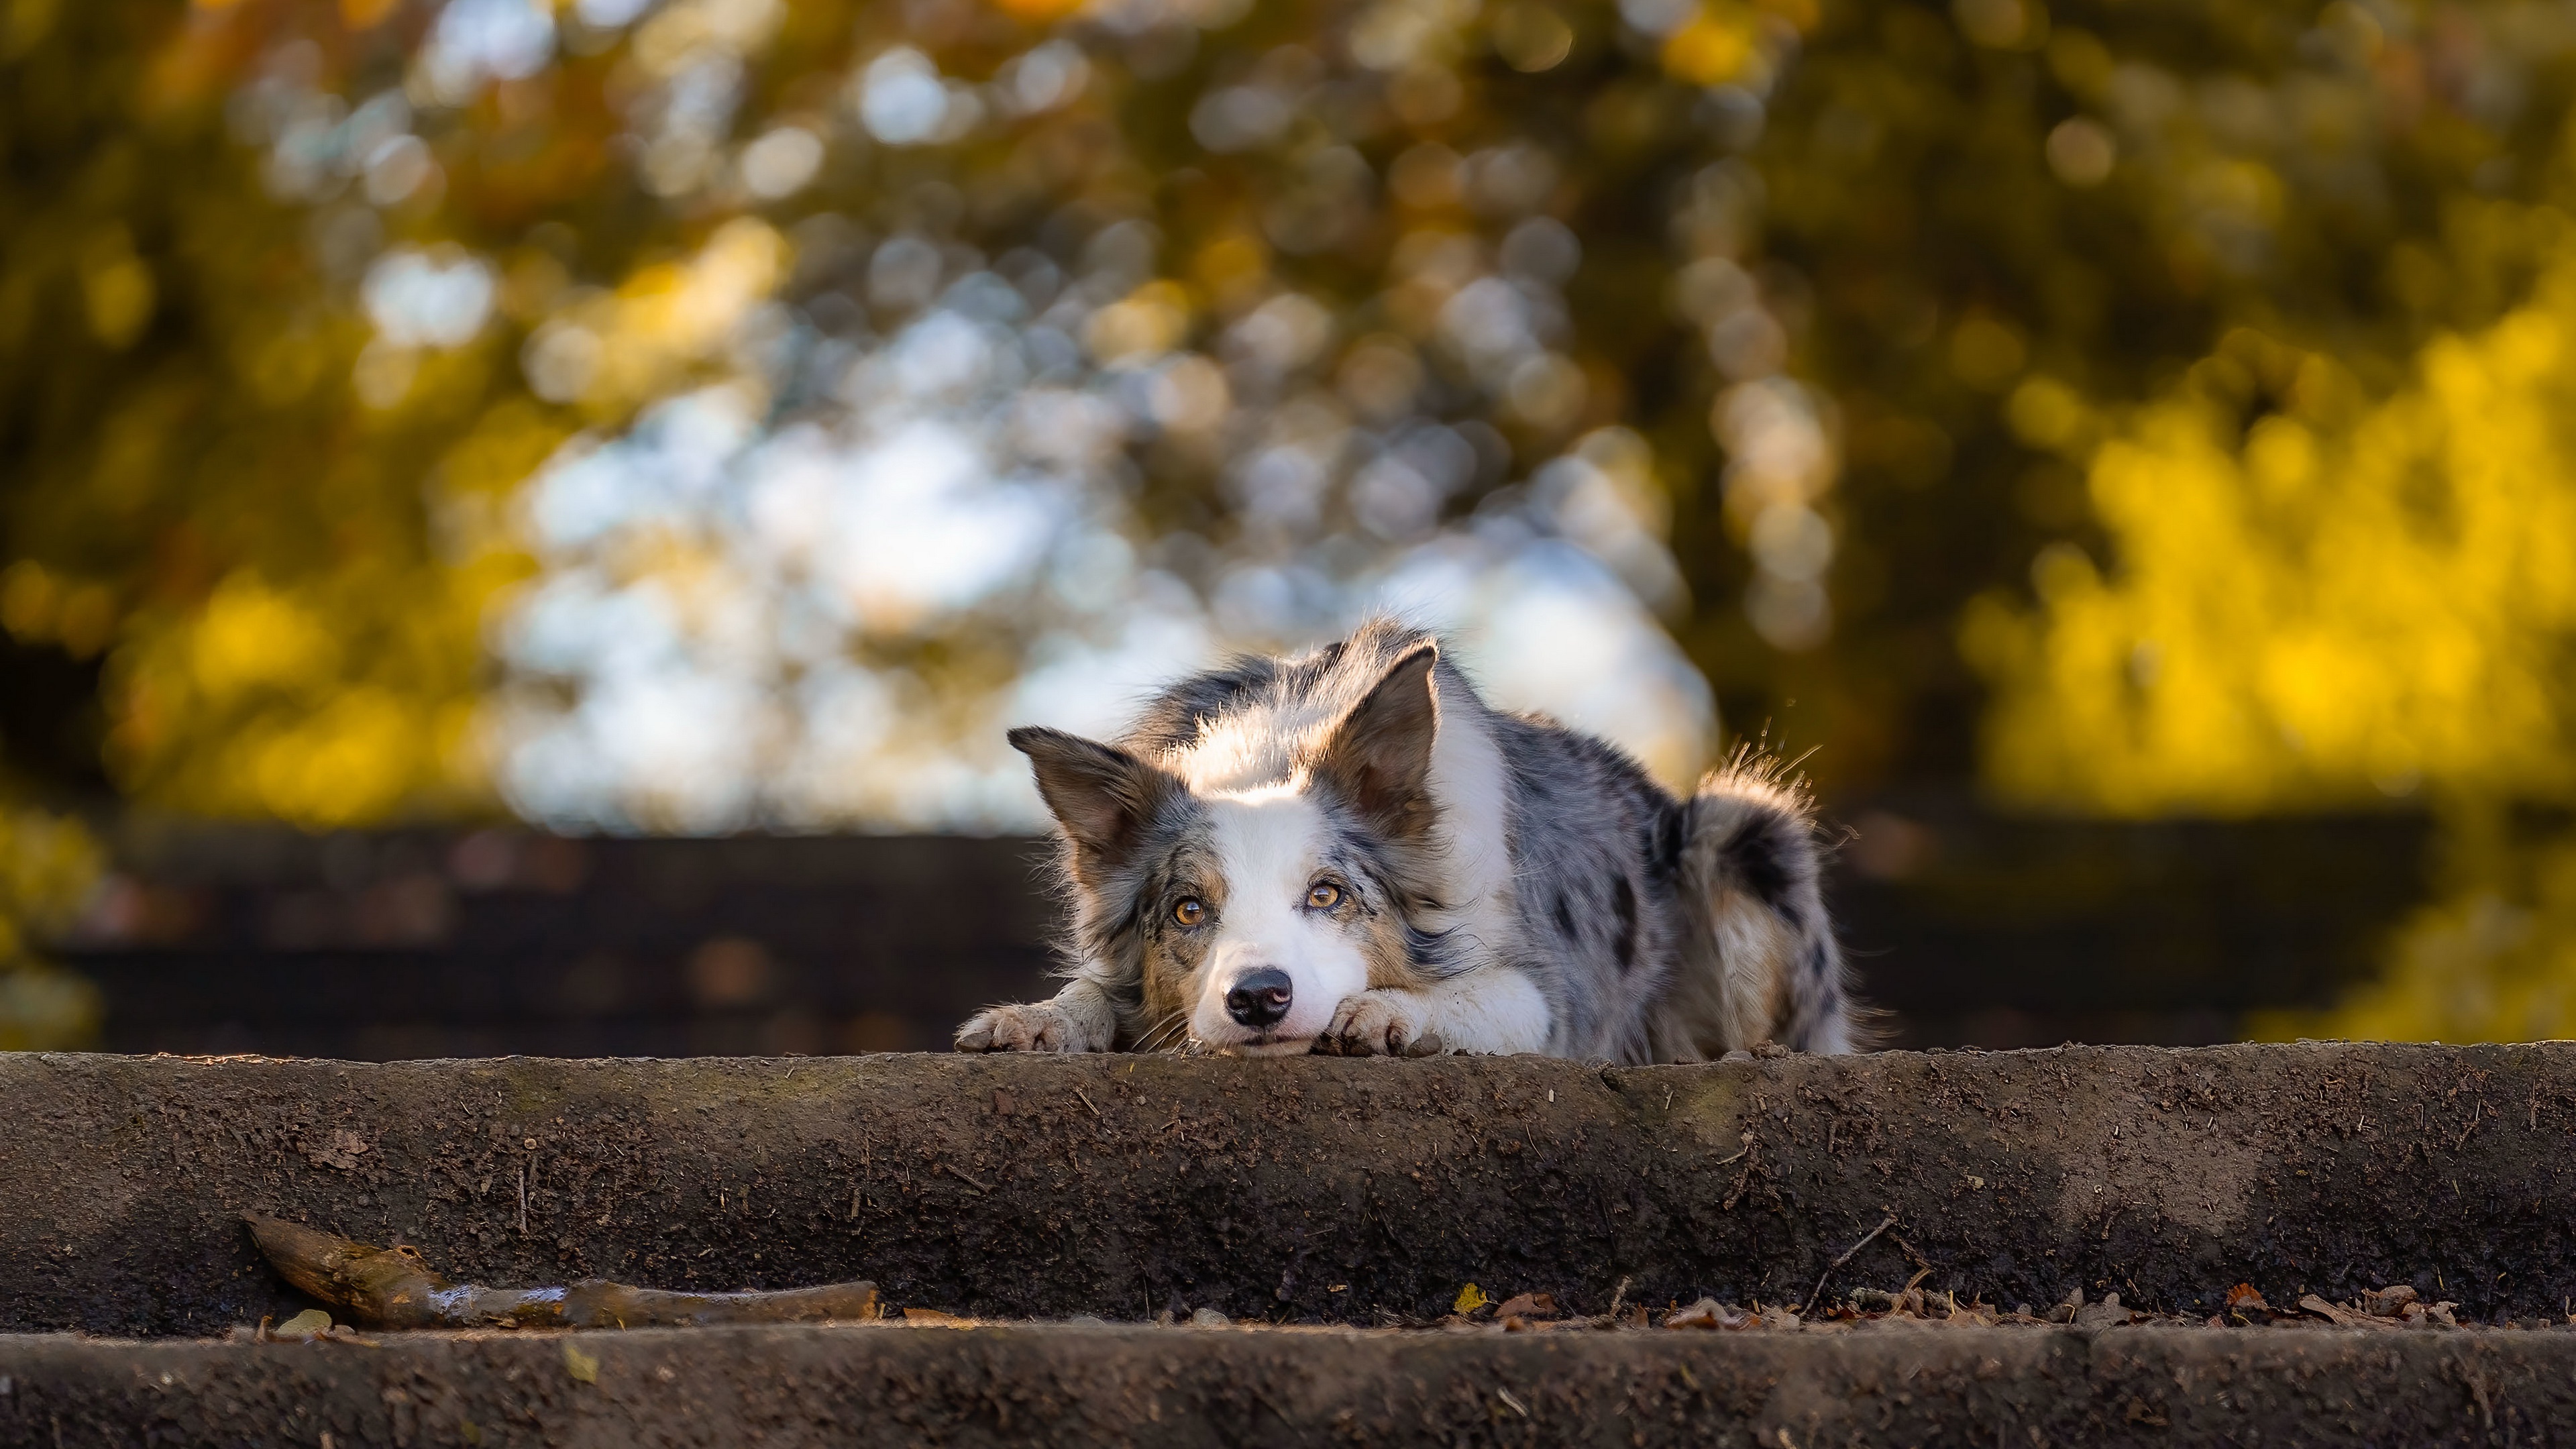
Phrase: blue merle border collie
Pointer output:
(1348, 852)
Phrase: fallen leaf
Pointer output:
(582, 1366)
(2243, 1297)
(2106, 1314)
(1707, 1313)
(2389, 1302)
(2339, 1315)
(1702, 1314)
(1471, 1298)
(310, 1323)
(929, 1315)
(1529, 1305)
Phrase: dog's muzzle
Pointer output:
(1259, 998)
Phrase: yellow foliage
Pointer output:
(2316, 608)
(1712, 48)
(641, 341)
(118, 287)
(2337, 602)
(250, 636)
(47, 864)
(1149, 323)
(2493, 960)
(1039, 9)
(334, 703)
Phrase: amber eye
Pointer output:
(1190, 911)
(1323, 895)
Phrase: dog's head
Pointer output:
(1239, 918)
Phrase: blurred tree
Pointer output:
(2341, 543)
(716, 411)
(46, 867)
(192, 492)
(2324, 596)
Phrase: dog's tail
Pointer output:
(1769, 968)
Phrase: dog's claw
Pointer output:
(1425, 1045)
(977, 1037)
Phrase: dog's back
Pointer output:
(1666, 929)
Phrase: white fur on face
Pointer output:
(1270, 844)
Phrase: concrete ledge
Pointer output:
(1309, 1190)
(1067, 1385)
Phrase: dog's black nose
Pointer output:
(1259, 997)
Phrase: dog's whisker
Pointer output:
(1162, 1036)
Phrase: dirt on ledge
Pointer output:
(1071, 1385)
(1313, 1190)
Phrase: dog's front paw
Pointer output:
(1037, 1027)
(1378, 1023)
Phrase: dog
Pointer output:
(1348, 852)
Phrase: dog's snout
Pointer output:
(1259, 998)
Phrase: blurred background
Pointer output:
(522, 524)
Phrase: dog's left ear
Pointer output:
(1379, 756)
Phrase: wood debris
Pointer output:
(395, 1288)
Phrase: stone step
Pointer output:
(1064, 1384)
(1309, 1190)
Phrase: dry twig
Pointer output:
(1848, 1254)
(394, 1288)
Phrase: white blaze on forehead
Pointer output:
(1268, 844)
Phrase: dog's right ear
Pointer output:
(1104, 797)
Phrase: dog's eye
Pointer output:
(1190, 911)
(1323, 895)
